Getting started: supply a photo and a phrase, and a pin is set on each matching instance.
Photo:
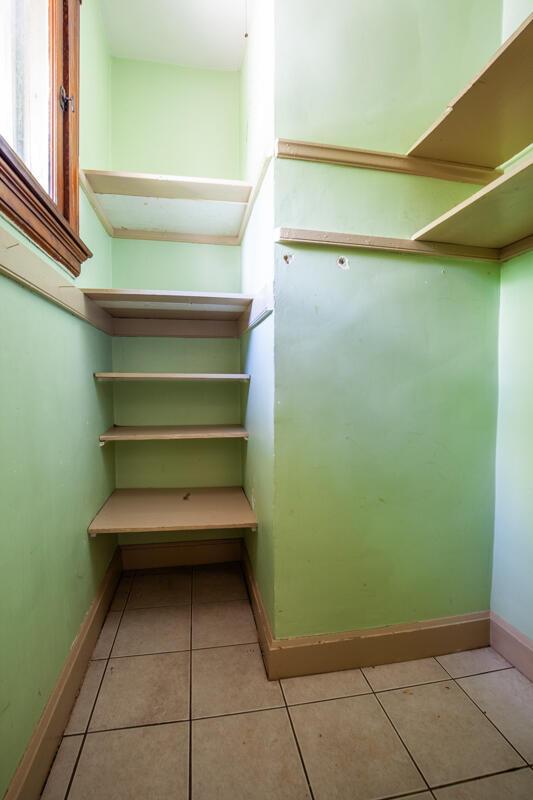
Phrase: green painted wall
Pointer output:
(173, 120)
(384, 439)
(95, 137)
(345, 199)
(512, 591)
(376, 74)
(175, 265)
(257, 89)
(514, 13)
(95, 89)
(53, 479)
(385, 373)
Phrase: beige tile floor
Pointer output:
(176, 704)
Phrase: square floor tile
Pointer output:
(310, 688)
(509, 786)
(446, 734)
(218, 583)
(121, 593)
(142, 690)
(228, 680)
(79, 718)
(217, 624)
(351, 751)
(246, 756)
(507, 699)
(472, 662)
(62, 768)
(107, 635)
(406, 673)
(139, 763)
(153, 630)
(161, 589)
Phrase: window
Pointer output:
(39, 69)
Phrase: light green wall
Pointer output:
(514, 13)
(386, 373)
(257, 89)
(173, 120)
(176, 266)
(512, 591)
(376, 73)
(384, 439)
(95, 89)
(95, 137)
(53, 479)
(345, 199)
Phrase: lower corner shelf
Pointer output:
(155, 510)
(146, 433)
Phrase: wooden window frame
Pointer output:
(53, 224)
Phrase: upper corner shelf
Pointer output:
(168, 313)
(168, 208)
(498, 215)
(492, 119)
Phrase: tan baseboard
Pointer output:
(306, 655)
(180, 554)
(512, 645)
(33, 768)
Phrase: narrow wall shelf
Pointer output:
(171, 376)
(168, 313)
(155, 510)
(496, 216)
(168, 208)
(145, 433)
(492, 119)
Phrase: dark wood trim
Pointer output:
(69, 145)
(29, 207)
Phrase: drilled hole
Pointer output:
(342, 263)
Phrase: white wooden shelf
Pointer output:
(496, 216)
(167, 207)
(492, 119)
(126, 303)
(155, 510)
(171, 376)
(168, 313)
(147, 433)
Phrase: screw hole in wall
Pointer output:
(343, 263)
(288, 258)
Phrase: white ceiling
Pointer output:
(193, 33)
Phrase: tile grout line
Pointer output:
(297, 743)
(403, 743)
(185, 650)
(190, 690)
(74, 769)
(519, 754)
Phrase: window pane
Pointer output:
(25, 83)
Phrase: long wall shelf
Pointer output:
(155, 510)
(171, 376)
(492, 119)
(496, 216)
(186, 314)
(151, 433)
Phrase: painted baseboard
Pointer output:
(34, 766)
(512, 644)
(306, 655)
(180, 554)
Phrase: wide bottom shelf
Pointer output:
(154, 510)
(146, 433)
